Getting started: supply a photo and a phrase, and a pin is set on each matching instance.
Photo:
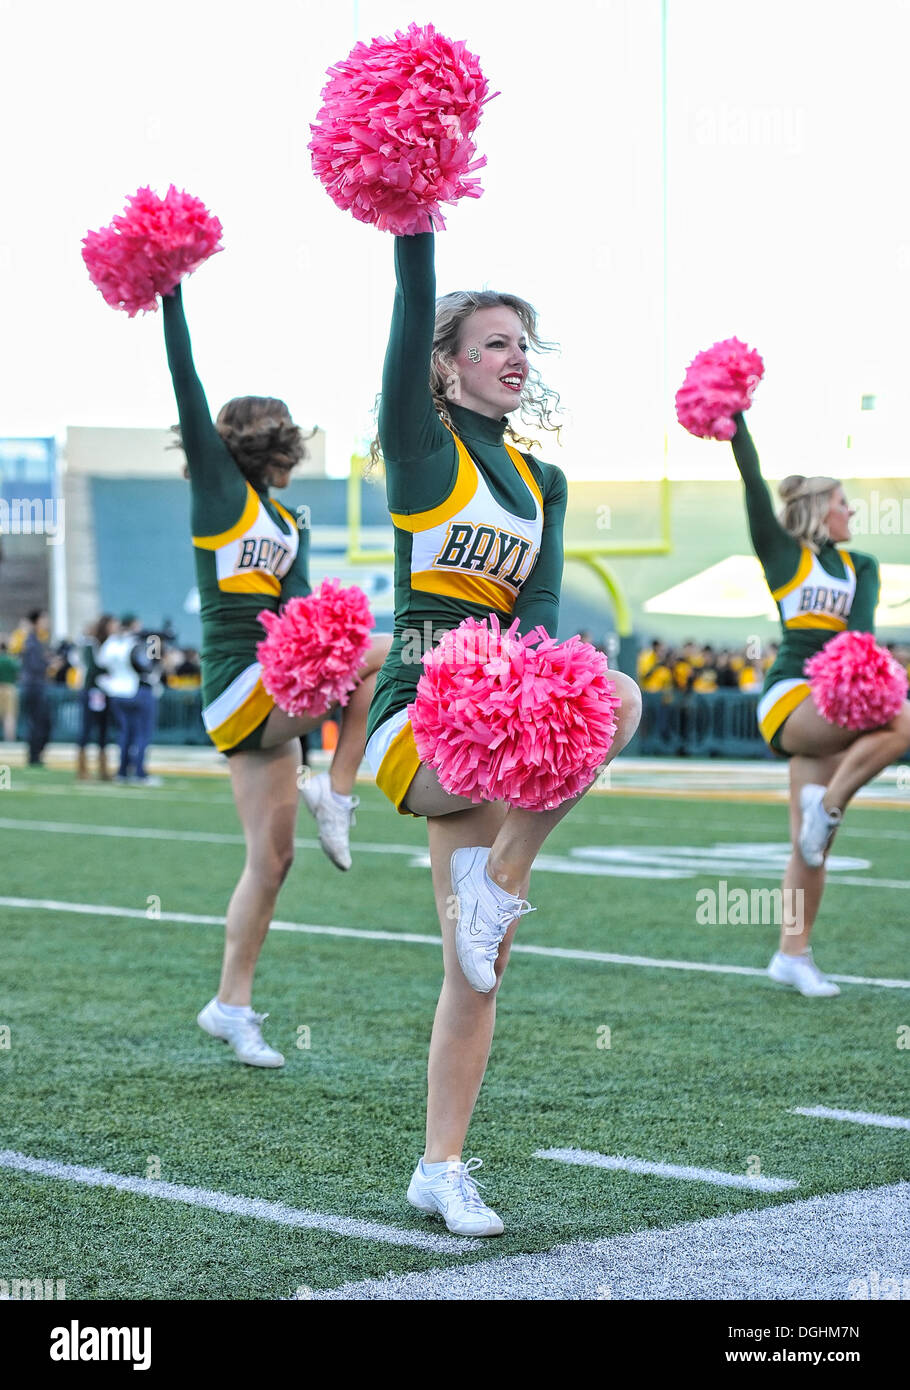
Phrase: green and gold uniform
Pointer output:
(250, 555)
(817, 594)
(478, 525)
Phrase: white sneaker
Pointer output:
(452, 1194)
(243, 1032)
(334, 821)
(485, 913)
(802, 973)
(817, 827)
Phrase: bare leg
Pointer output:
(264, 783)
(463, 1026)
(803, 886)
(352, 739)
(524, 832)
(281, 727)
(867, 757)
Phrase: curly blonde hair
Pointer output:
(806, 504)
(538, 402)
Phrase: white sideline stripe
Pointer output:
(545, 863)
(231, 1205)
(857, 1117)
(815, 1248)
(617, 1163)
(203, 920)
(208, 837)
(309, 928)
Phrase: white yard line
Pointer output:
(231, 1205)
(206, 837)
(856, 1117)
(546, 863)
(412, 938)
(618, 1163)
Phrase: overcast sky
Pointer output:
(787, 213)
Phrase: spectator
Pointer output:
(726, 676)
(33, 678)
(185, 671)
(9, 694)
(94, 702)
(125, 660)
(649, 657)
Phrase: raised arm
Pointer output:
(213, 473)
(409, 428)
(538, 601)
(296, 583)
(778, 552)
(868, 588)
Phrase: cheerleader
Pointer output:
(478, 530)
(251, 555)
(821, 588)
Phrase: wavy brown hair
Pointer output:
(257, 431)
(538, 402)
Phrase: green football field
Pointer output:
(127, 1134)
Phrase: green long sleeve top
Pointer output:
(250, 553)
(817, 594)
(478, 529)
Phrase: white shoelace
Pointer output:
(253, 1028)
(341, 815)
(505, 916)
(461, 1177)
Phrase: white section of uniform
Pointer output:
(231, 699)
(482, 509)
(776, 692)
(260, 546)
(378, 745)
(836, 594)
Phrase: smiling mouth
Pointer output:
(512, 382)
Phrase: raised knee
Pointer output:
(630, 708)
(901, 724)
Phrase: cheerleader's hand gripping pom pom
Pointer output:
(314, 647)
(855, 683)
(719, 384)
(153, 245)
(393, 137)
(501, 717)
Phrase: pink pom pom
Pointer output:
(856, 683)
(314, 648)
(719, 383)
(525, 720)
(392, 139)
(150, 248)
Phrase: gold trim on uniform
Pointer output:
(472, 588)
(255, 582)
(257, 706)
(802, 571)
(460, 496)
(825, 620)
(782, 709)
(284, 512)
(233, 533)
(399, 768)
(527, 476)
